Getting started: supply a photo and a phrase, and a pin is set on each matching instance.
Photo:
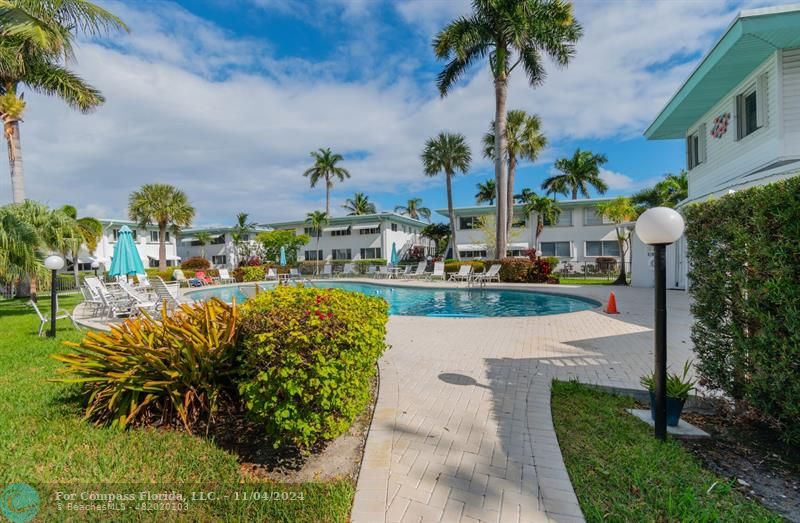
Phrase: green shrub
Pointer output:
(361, 266)
(514, 270)
(257, 273)
(309, 356)
(196, 263)
(175, 370)
(166, 275)
(745, 285)
(451, 267)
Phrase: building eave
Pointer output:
(361, 218)
(477, 210)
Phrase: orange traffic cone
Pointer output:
(611, 308)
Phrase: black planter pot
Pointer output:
(674, 409)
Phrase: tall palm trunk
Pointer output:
(316, 256)
(162, 247)
(500, 173)
(575, 193)
(512, 168)
(75, 271)
(328, 197)
(11, 129)
(622, 279)
(452, 215)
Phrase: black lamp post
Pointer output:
(54, 263)
(659, 227)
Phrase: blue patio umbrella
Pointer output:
(126, 258)
(283, 256)
(393, 259)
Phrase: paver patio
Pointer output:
(462, 429)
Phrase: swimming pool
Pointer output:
(426, 301)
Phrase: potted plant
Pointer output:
(678, 389)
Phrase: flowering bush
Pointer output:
(253, 273)
(308, 359)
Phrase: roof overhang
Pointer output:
(752, 37)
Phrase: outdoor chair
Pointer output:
(140, 302)
(60, 315)
(144, 282)
(205, 280)
(383, 272)
(91, 300)
(372, 270)
(420, 271)
(463, 273)
(327, 271)
(224, 277)
(438, 271)
(347, 270)
(165, 294)
(271, 274)
(493, 274)
(115, 304)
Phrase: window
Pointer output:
(314, 255)
(219, 240)
(116, 234)
(310, 231)
(374, 230)
(602, 248)
(514, 253)
(245, 237)
(751, 108)
(341, 254)
(519, 222)
(560, 249)
(219, 259)
(592, 217)
(394, 227)
(472, 254)
(344, 232)
(153, 264)
(696, 147)
(154, 236)
(371, 253)
(564, 219)
(468, 222)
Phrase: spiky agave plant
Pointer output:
(147, 371)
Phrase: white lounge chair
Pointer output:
(271, 274)
(144, 281)
(372, 270)
(438, 271)
(383, 272)
(165, 294)
(140, 302)
(327, 271)
(348, 270)
(224, 277)
(463, 273)
(406, 272)
(115, 303)
(420, 271)
(179, 277)
(92, 300)
(60, 315)
(493, 274)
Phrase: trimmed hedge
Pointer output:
(196, 263)
(744, 254)
(309, 356)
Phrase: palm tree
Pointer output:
(325, 168)
(524, 195)
(487, 192)
(547, 211)
(666, 193)
(447, 153)
(524, 140)
(508, 33)
(204, 238)
(316, 220)
(242, 230)
(414, 209)
(36, 39)
(577, 174)
(359, 204)
(88, 232)
(620, 210)
(163, 205)
(19, 241)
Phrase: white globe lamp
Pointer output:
(54, 262)
(660, 226)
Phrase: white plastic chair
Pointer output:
(438, 271)
(463, 273)
(60, 315)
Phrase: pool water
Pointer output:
(418, 301)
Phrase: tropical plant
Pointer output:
(620, 210)
(547, 211)
(19, 242)
(508, 33)
(316, 220)
(177, 369)
(487, 192)
(359, 204)
(203, 238)
(88, 232)
(524, 195)
(272, 241)
(163, 205)
(439, 233)
(665, 193)
(240, 236)
(36, 38)
(447, 153)
(678, 385)
(325, 169)
(309, 357)
(524, 141)
(577, 174)
(487, 231)
(414, 209)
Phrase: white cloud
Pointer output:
(616, 181)
(222, 118)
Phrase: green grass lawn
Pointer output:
(44, 442)
(621, 473)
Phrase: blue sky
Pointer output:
(226, 98)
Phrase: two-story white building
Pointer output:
(363, 237)
(221, 251)
(739, 115)
(146, 239)
(581, 234)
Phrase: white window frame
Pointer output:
(759, 88)
(602, 249)
(158, 237)
(592, 211)
(696, 147)
(215, 259)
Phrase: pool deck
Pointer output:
(462, 430)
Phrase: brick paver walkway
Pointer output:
(462, 430)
